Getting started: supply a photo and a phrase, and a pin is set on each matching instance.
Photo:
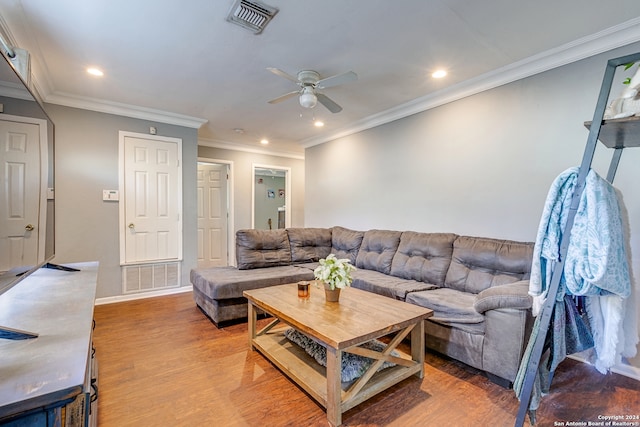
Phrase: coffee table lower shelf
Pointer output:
(305, 371)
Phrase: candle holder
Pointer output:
(303, 289)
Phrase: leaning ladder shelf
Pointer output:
(617, 134)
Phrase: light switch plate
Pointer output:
(110, 195)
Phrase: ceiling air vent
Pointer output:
(252, 15)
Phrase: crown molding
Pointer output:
(126, 110)
(611, 38)
(235, 146)
(43, 90)
(14, 90)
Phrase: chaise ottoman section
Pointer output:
(218, 291)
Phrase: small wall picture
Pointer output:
(281, 193)
(271, 194)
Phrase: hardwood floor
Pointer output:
(163, 363)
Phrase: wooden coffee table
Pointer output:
(359, 317)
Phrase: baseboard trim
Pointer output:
(143, 295)
(622, 369)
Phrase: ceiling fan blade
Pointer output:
(279, 72)
(284, 97)
(336, 80)
(328, 103)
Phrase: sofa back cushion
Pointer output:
(423, 256)
(345, 243)
(479, 263)
(262, 248)
(309, 244)
(377, 250)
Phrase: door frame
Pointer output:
(231, 235)
(45, 194)
(122, 195)
(287, 194)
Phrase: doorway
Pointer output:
(213, 212)
(271, 203)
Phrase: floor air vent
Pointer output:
(252, 15)
(150, 277)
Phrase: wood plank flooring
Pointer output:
(163, 363)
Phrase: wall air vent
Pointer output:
(252, 15)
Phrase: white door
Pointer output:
(20, 190)
(152, 198)
(212, 215)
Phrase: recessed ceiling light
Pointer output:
(318, 123)
(264, 141)
(438, 74)
(95, 72)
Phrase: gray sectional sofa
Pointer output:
(477, 287)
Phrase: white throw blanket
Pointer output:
(596, 264)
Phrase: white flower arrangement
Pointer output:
(334, 272)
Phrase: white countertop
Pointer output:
(57, 305)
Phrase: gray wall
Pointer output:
(86, 163)
(478, 166)
(243, 174)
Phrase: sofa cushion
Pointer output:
(450, 307)
(423, 256)
(383, 284)
(377, 250)
(309, 244)
(345, 243)
(262, 248)
(219, 283)
(479, 263)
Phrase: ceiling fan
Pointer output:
(310, 82)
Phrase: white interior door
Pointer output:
(152, 184)
(21, 198)
(212, 215)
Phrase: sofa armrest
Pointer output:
(511, 295)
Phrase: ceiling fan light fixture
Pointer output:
(95, 71)
(438, 74)
(308, 99)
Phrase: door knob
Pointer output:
(132, 226)
(29, 227)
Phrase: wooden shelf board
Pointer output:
(311, 376)
(619, 133)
